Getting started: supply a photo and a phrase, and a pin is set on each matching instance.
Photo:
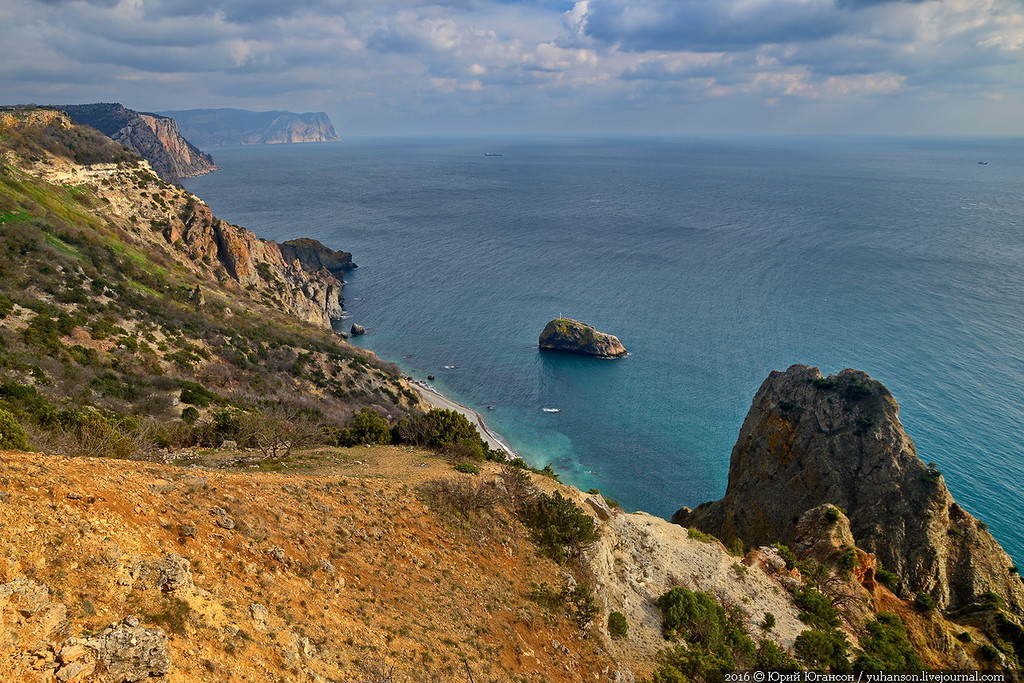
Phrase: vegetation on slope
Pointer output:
(114, 343)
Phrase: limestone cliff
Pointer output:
(173, 220)
(155, 138)
(565, 334)
(211, 127)
(809, 440)
(313, 256)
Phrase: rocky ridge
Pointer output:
(809, 440)
(180, 224)
(155, 138)
(573, 336)
(213, 127)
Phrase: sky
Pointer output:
(411, 67)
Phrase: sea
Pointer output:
(715, 260)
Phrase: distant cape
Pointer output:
(214, 127)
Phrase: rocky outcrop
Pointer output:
(565, 334)
(313, 256)
(155, 138)
(212, 127)
(302, 280)
(307, 289)
(809, 440)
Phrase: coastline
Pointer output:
(435, 399)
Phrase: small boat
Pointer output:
(552, 410)
(983, 163)
(493, 154)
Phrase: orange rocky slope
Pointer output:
(261, 576)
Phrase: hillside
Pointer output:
(201, 481)
(213, 127)
(123, 299)
(155, 138)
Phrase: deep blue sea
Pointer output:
(714, 260)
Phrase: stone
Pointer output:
(75, 671)
(228, 445)
(357, 330)
(171, 573)
(573, 336)
(259, 613)
(602, 508)
(129, 654)
(187, 531)
(809, 440)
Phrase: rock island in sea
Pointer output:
(573, 336)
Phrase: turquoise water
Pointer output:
(715, 261)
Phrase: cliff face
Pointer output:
(565, 334)
(169, 217)
(155, 138)
(211, 127)
(809, 440)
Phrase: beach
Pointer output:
(436, 399)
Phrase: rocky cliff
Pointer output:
(155, 138)
(809, 440)
(573, 336)
(211, 127)
(294, 281)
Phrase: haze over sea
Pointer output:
(714, 260)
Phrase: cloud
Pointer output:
(641, 25)
(527, 63)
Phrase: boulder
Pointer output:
(573, 336)
(358, 330)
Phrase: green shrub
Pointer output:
(12, 436)
(558, 526)
(189, 414)
(698, 535)
(714, 642)
(197, 394)
(467, 468)
(924, 602)
(890, 580)
(577, 600)
(816, 608)
(771, 657)
(886, 647)
(736, 547)
(823, 649)
(618, 627)
(768, 623)
(787, 555)
(847, 560)
(370, 427)
(832, 514)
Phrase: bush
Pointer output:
(467, 468)
(460, 501)
(196, 394)
(768, 623)
(370, 427)
(577, 600)
(816, 608)
(714, 642)
(886, 647)
(890, 580)
(832, 514)
(558, 526)
(699, 535)
(618, 627)
(189, 414)
(12, 436)
(924, 602)
(771, 657)
(823, 649)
